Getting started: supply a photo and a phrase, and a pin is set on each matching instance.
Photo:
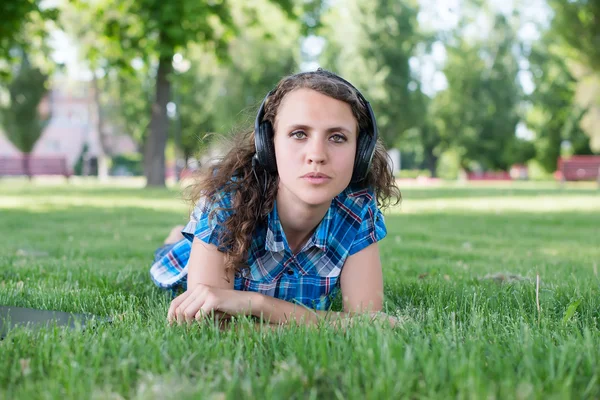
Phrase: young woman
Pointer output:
(290, 215)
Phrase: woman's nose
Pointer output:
(317, 153)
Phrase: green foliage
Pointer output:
(214, 99)
(238, 49)
(479, 111)
(125, 86)
(21, 118)
(537, 172)
(21, 21)
(152, 31)
(393, 26)
(554, 116)
(519, 151)
(576, 22)
(126, 101)
(130, 163)
(78, 167)
(449, 164)
(370, 43)
(413, 173)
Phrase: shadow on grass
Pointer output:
(90, 191)
(474, 192)
(518, 190)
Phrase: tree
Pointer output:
(21, 20)
(153, 31)
(21, 119)
(479, 110)
(575, 29)
(577, 23)
(553, 111)
(429, 132)
(84, 27)
(218, 97)
(371, 43)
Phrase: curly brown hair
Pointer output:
(252, 200)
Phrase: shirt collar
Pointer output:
(274, 240)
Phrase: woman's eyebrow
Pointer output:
(329, 130)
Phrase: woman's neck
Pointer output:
(298, 221)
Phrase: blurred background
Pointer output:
(462, 89)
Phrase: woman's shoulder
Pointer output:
(354, 204)
(211, 210)
(220, 201)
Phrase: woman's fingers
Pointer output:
(174, 304)
(207, 308)
(187, 310)
(195, 304)
(189, 314)
(180, 304)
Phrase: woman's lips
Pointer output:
(316, 178)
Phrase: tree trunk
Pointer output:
(429, 142)
(154, 151)
(103, 156)
(26, 167)
(431, 163)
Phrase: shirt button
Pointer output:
(290, 272)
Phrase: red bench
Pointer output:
(579, 168)
(489, 176)
(27, 165)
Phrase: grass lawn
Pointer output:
(460, 266)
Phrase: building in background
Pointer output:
(73, 127)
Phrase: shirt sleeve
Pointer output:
(207, 221)
(170, 266)
(372, 228)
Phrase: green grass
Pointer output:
(467, 334)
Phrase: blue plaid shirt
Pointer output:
(310, 277)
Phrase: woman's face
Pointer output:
(315, 145)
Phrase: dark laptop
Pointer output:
(18, 316)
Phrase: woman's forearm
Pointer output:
(277, 311)
(280, 312)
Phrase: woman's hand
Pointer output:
(202, 301)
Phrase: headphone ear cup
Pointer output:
(259, 144)
(364, 153)
(266, 152)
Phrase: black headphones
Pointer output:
(365, 147)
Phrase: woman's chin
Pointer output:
(312, 195)
(317, 198)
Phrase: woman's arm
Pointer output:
(211, 291)
(207, 266)
(361, 281)
(362, 292)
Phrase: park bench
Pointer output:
(489, 176)
(37, 165)
(579, 168)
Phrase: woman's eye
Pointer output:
(338, 138)
(298, 134)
